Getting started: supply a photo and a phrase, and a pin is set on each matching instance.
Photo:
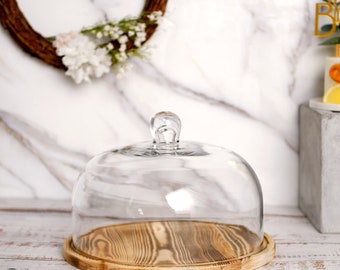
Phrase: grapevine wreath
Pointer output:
(105, 45)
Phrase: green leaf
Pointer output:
(52, 38)
(332, 2)
(331, 41)
(326, 28)
(327, 1)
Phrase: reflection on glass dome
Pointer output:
(168, 204)
(181, 201)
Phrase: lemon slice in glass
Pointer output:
(332, 95)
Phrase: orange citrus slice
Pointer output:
(332, 95)
(334, 72)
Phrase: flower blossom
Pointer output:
(155, 16)
(94, 50)
(82, 57)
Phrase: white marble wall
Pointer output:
(234, 71)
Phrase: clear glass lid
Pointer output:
(167, 202)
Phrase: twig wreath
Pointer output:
(91, 52)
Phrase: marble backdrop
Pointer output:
(234, 71)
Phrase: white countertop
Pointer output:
(32, 233)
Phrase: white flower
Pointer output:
(115, 29)
(141, 26)
(99, 35)
(109, 46)
(137, 43)
(63, 39)
(123, 69)
(83, 59)
(141, 34)
(140, 37)
(122, 48)
(91, 53)
(121, 57)
(155, 16)
(123, 39)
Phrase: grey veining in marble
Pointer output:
(234, 71)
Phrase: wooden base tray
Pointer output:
(174, 245)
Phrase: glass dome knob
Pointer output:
(165, 128)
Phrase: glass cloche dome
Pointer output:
(167, 204)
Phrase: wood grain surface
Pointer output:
(168, 245)
(32, 233)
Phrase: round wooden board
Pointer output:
(84, 261)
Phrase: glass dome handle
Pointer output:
(165, 128)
